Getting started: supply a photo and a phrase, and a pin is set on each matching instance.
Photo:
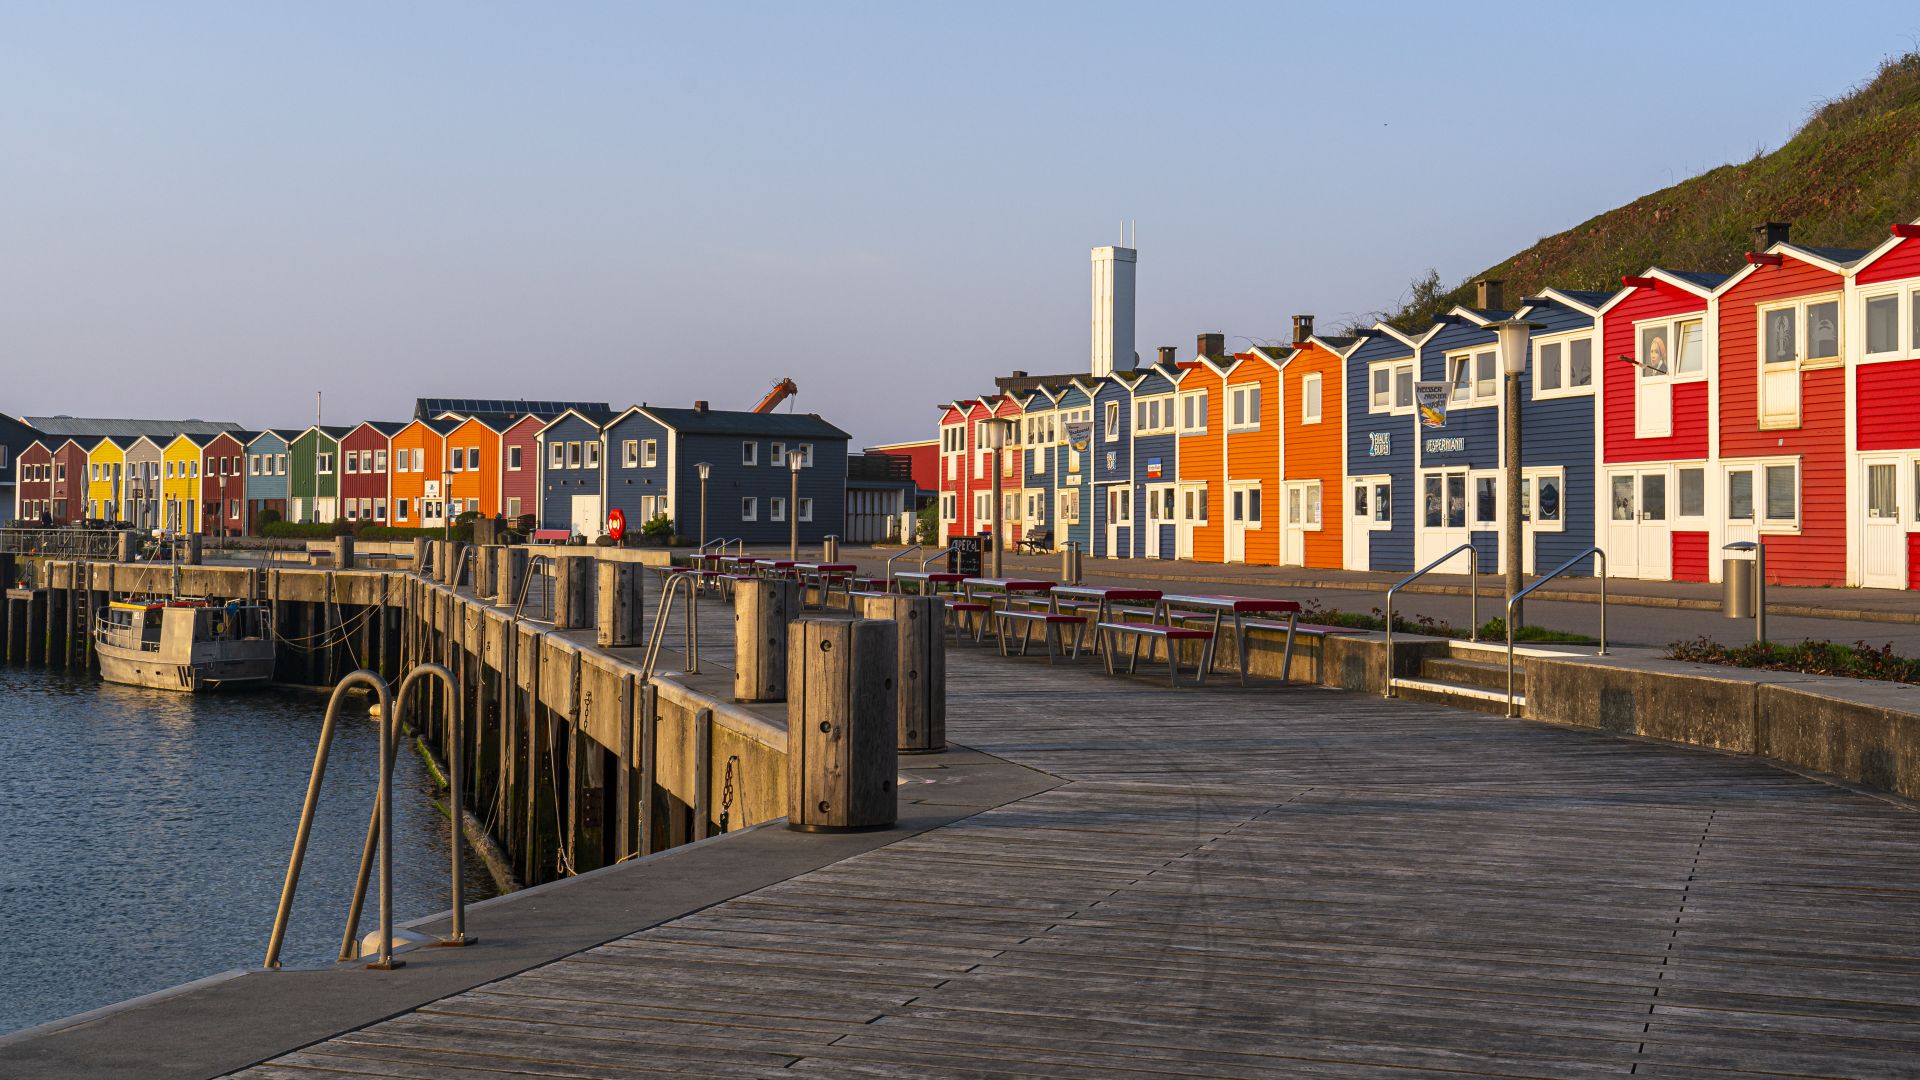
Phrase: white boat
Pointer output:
(184, 645)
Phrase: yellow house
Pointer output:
(180, 483)
(106, 470)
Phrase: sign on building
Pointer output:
(1379, 443)
(1431, 398)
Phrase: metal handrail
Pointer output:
(526, 582)
(382, 813)
(454, 796)
(948, 550)
(1600, 558)
(903, 553)
(657, 635)
(1473, 602)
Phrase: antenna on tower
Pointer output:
(319, 399)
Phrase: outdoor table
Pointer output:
(1103, 595)
(823, 575)
(775, 568)
(928, 582)
(1239, 607)
(1004, 588)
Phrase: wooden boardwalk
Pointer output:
(1293, 882)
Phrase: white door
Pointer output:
(1359, 534)
(1639, 529)
(1883, 540)
(1160, 512)
(1119, 519)
(1193, 512)
(1293, 530)
(1443, 518)
(587, 520)
(1243, 513)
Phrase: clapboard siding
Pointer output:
(1817, 555)
(1691, 401)
(627, 487)
(407, 484)
(1388, 549)
(1075, 399)
(1887, 404)
(1690, 556)
(1163, 447)
(1314, 451)
(1559, 432)
(1900, 261)
(520, 487)
(471, 485)
(825, 483)
(558, 487)
(1200, 460)
(1255, 455)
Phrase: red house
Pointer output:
(520, 466)
(363, 471)
(33, 478)
(1782, 384)
(1008, 408)
(956, 486)
(68, 493)
(925, 456)
(1657, 407)
(1883, 356)
(223, 485)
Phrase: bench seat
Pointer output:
(1049, 623)
(1158, 632)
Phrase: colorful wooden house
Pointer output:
(1459, 470)
(106, 473)
(1039, 442)
(1782, 396)
(640, 475)
(1381, 371)
(1883, 390)
(1201, 391)
(33, 483)
(571, 495)
(1312, 448)
(1007, 410)
(1073, 492)
(416, 456)
(366, 478)
(313, 473)
(1559, 451)
(750, 482)
(1154, 451)
(1250, 416)
(180, 483)
(520, 465)
(1111, 495)
(956, 486)
(473, 467)
(223, 484)
(1658, 406)
(266, 477)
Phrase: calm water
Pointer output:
(144, 837)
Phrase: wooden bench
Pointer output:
(1050, 624)
(1160, 635)
(1035, 543)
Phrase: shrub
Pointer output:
(297, 530)
(1857, 661)
(928, 524)
(658, 527)
(264, 520)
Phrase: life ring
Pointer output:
(616, 523)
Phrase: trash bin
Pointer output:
(1736, 598)
(830, 549)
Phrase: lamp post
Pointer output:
(1513, 360)
(705, 471)
(794, 462)
(446, 520)
(995, 434)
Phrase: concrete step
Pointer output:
(1456, 695)
(1486, 674)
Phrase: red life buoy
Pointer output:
(616, 523)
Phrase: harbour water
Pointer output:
(144, 836)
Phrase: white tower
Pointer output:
(1112, 309)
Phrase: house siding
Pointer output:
(1391, 548)
(265, 490)
(467, 484)
(223, 487)
(559, 487)
(1201, 460)
(628, 488)
(1314, 451)
(1147, 448)
(370, 485)
(522, 484)
(1558, 432)
(1692, 400)
(825, 483)
(1112, 454)
(1479, 426)
(1254, 455)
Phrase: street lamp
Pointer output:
(794, 462)
(994, 434)
(705, 471)
(1512, 334)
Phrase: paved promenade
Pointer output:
(1278, 882)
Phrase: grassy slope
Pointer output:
(1853, 169)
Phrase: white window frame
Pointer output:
(1110, 422)
(749, 455)
(1067, 506)
(630, 453)
(649, 453)
(1313, 496)
(1567, 387)
(1530, 490)
(379, 461)
(749, 508)
(949, 502)
(419, 459)
(591, 458)
(1193, 403)
(776, 455)
(513, 459)
(1394, 368)
(323, 464)
(776, 508)
(573, 453)
(1476, 396)
(1672, 324)
(1760, 521)
(1243, 399)
(1906, 326)
(806, 508)
(1312, 398)
(1780, 418)
(805, 450)
(1373, 485)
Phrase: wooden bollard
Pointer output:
(194, 542)
(618, 606)
(762, 610)
(123, 546)
(343, 551)
(841, 761)
(510, 575)
(572, 591)
(420, 554)
(485, 566)
(439, 559)
(456, 561)
(920, 676)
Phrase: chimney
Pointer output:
(1169, 355)
(1769, 233)
(1016, 374)
(1212, 343)
(1488, 295)
(1302, 328)
(700, 406)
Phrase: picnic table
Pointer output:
(775, 567)
(928, 582)
(1237, 607)
(1103, 597)
(824, 575)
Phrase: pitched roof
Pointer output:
(69, 427)
(428, 407)
(1701, 278)
(732, 422)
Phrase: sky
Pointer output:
(217, 210)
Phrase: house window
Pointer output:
(513, 459)
(352, 462)
(379, 461)
(805, 450)
(1562, 367)
(1783, 494)
(1486, 500)
(456, 459)
(253, 464)
(556, 455)
(473, 458)
(592, 455)
(1111, 422)
(1740, 495)
(777, 508)
(1391, 387)
(749, 509)
(777, 455)
(946, 507)
(1310, 399)
(1243, 408)
(630, 453)
(573, 455)
(982, 508)
(419, 459)
(1883, 324)
(1693, 493)
(1069, 512)
(806, 509)
(649, 454)
(325, 466)
(749, 455)
(1193, 412)
(1471, 378)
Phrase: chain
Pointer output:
(726, 792)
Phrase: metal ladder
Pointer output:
(676, 585)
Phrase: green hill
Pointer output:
(1843, 177)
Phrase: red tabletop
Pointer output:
(1103, 592)
(830, 567)
(1010, 584)
(1236, 604)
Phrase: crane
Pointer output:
(781, 391)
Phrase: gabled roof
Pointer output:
(63, 427)
(389, 428)
(119, 442)
(743, 422)
(1883, 247)
(1586, 302)
(1832, 260)
(198, 440)
(598, 418)
(331, 431)
(1700, 283)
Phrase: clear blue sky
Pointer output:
(215, 209)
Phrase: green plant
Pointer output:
(1496, 630)
(658, 527)
(927, 524)
(264, 519)
(1858, 661)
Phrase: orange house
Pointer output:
(1250, 409)
(473, 468)
(1312, 450)
(1199, 531)
(419, 453)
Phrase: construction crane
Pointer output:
(781, 391)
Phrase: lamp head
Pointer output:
(1512, 335)
(705, 469)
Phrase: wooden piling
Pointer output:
(486, 566)
(573, 591)
(763, 608)
(920, 675)
(618, 605)
(510, 576)
(841, 712)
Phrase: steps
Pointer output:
(1469, 676)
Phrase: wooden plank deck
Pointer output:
(1275, 882)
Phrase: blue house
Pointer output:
(1559, 421)
(1039, 426)
(638, 466)
(750, 482)
(1074, 495)
(267, 485)
(1156, 468)
(1113, 490)
(1457, 468)
(570, 479)
(1381, 429)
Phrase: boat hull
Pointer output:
(146, 669)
